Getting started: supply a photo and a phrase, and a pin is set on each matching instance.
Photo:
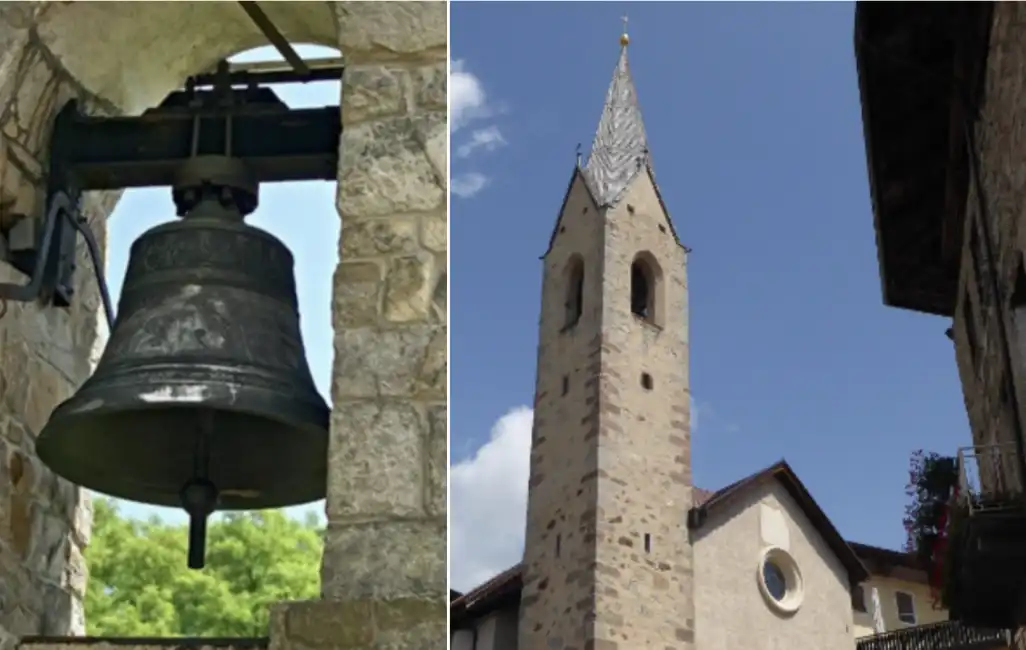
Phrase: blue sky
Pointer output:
(753, 116)
(300, 214)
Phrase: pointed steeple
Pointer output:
(620, 148)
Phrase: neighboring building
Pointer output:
(621, 550)
(943, 111)
(768, 515)
(905, 609)
(770, 504)
(903, 592)
(764, 554)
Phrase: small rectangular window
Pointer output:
(566, 384)
(906, 607)
(858, 599)
(970, 327)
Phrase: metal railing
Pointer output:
(949, 635)
(989, 476)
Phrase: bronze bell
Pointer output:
(203, 397)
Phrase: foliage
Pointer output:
(139, 584)
(932, 481)
(931, 522)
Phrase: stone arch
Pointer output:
(647, 289)
(573, 290)
(388, 305)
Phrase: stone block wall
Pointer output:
(386, 504)
(360, 624)
(44, 354)
(990, 361)
(388, 454)
(101, 643)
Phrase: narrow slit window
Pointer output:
(1018, 304)
(559, 544)
(648, 543)
(566, 384)
(970, 326)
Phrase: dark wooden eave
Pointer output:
(885, 562)
(920, 67)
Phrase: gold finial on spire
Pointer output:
(624, 38)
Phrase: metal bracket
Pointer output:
(43, 250)
(270, 30)
(276, 143)
(88, 152)
(266, 73)
(51, 263)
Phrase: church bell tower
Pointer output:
(607, 559)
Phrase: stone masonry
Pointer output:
(385, 549)
(991, 372)
(991, 395)
(608, 562)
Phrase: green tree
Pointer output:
(139, 584)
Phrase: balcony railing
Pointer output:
(989, 477)
(949, 635)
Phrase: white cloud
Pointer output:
(486, 139)
(467, 99)
(468, 103)
(467, 184)
(488, 502)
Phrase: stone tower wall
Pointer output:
(386, 528)
(559, 548)
(610, 464)
(644, 595)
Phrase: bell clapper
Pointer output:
(200, 495)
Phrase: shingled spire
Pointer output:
(620, 148)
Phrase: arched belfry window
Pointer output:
(574, 287)
(646, 287)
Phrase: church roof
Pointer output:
(504, 588)
(620, 148)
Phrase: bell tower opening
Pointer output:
(646, 277)
(574, 304)
(641, 294)
(315, 248)
(106, 97)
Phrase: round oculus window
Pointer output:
(780, 580)
(776, 580)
